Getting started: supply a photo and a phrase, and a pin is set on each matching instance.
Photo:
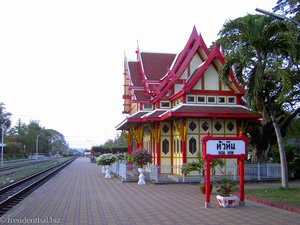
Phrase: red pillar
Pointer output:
(242, 194)
(158, 152)
(130, 149)
(183, 146)
(207, 184)
(183, 141)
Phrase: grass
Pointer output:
(289, 196)
(10, 178)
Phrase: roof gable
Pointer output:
(194, 46)
(213, 62)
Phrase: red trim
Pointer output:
(126, 96)
(174, 114)
(194, 43)
(183, 126)
(203, 115)
(140, 61)
(192, 38)
(207, 92)
(177, 95)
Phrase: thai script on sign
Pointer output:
(225, 145)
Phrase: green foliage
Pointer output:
(100, 150)
(118, 143)
(200, 166)
(193, 166)
(130, 158)
(106, 159)
(226, 186)
(293, 129)
(4, 116)
(290, 8)
(21, 139)
(292, 158)
(264, 56)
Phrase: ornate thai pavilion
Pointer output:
(173, 100)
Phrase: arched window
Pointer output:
(165, 146)
(192, 145)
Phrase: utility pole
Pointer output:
(37, 146)
(2, 141)
(280, 17)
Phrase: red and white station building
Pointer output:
(173, 100)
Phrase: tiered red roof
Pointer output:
(154, 75)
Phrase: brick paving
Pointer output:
(79, 195)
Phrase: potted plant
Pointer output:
(200, 167)
(141, 157)
(105, 160)
(224, 189)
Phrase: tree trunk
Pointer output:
(283, 162)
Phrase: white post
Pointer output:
(125, 170)
(2, 142)
(234, 172)
(37, 146)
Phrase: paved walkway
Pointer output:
(79, 195)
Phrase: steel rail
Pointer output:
(12, 194)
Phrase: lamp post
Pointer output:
(37, 146)
(2, 142)
(280, 17)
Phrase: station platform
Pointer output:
(80, 195)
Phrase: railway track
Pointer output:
(14, 165)
(12, 194)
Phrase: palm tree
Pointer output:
(260, 52)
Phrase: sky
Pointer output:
(61, 61)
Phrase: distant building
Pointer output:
(172, 101)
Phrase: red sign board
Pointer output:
(224, 147)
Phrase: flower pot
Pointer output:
(141, 176)
(103, 169)
(227, 201)
(203, 188)
(107, 172)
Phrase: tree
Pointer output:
(261, 53)
(54, 141)
(4, 117)
(17, 136)
(290, 8)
